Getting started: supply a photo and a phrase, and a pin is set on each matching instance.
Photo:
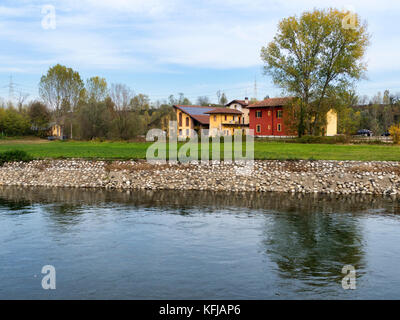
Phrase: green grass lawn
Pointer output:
(263, 150)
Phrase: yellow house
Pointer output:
(223, 121)
(56, 131)
(197, 118)
(191, 118)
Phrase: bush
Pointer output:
(13, 156)
(395, 133)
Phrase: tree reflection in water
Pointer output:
(308, 237)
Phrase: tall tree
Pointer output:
(203, 101)
(223, 100)
(121, 96)
(181, 100)
(312, 57)
(61, 88)
(140, 102)
(94, 119)
(39, 116)
(96, 89)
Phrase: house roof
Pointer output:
(202, 113)
(271, 102)
(241, 102)
(196, 112)
(224, 111)
(203, 119)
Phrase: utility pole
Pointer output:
(11, 90)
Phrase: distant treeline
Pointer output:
(377, 114)
(89, 110)
(95, 110)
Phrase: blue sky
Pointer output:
(161, 47)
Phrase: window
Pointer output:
(187, 121)
(269, 113)
(258, 128)
(180, 132)
(258, 114)
(215, 118)
(279, 128)
(187, 132)
(279, 114)
(180, 119)
(234, 118)
(226, 117)
(269, 127)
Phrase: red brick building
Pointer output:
(268, 117)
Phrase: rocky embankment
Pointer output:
(333, 177)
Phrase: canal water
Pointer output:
(196, 245)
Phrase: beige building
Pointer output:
(331, 123)
(241, 105)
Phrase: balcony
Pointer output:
(236, 122)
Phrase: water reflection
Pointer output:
(314, 246)
(264, 244)
(74, 199)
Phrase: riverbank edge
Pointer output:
(298, 176)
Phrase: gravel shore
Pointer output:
(329, 177)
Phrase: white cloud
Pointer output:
(156, 35)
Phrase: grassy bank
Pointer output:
(263, 150)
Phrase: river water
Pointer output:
(196, 245)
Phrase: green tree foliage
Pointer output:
(223, 100)
(349, 121)
(312, 57)
(61, 89)
(94, 119)
(140, 103)
(14, 123)
(124, 122)
(203, 101)
(181, 100)
(96, 89)
(39, 116)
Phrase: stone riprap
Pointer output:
(334, 177)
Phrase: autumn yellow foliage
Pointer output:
(395, 133)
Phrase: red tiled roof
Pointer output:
(241, 102)
(203, 119)
(224, 111)
(272, 102)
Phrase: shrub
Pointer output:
(14, 155)
(395, 133)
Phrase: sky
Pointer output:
(163, 47)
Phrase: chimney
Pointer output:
(246, 100)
